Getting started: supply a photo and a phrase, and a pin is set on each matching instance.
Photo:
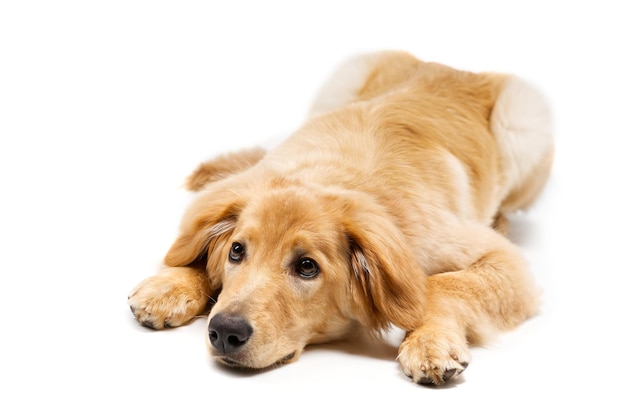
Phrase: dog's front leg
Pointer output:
(493, 293)
(170, 298)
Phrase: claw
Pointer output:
(425, 381)
(448, 374)
(149, 324)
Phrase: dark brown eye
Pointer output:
(237, 251)
(307, 268)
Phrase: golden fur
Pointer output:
(380, 210)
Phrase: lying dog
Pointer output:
(387, 207)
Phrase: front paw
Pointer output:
(433, 356)
(169, 299)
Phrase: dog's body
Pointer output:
(387, 207)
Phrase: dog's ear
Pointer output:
(205, 229)
(223, 166)
(390, 282)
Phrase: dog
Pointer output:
(387, 207)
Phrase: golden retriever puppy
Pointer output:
(387, 207)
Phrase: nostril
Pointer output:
(229, 332)
(235, 341)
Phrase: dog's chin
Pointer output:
(234, 363)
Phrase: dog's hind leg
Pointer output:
(520, 122)
(362, 77)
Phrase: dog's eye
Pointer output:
(307, 268)
(237, 250)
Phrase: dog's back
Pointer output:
(488, 134)
(491, 133)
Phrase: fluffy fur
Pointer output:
(388, 206)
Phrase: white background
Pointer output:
(105, 107)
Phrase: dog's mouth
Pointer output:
(287, 358)
(228, 361)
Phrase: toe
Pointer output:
(425, 381)
(149, 324)
(448, 374)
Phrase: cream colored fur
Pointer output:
(387, 207)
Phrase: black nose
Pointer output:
(229, 332)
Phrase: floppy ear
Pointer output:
(223, 166)
(390, 281)
(205, 229)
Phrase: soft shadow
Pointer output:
(522, 229)
(145, 327)
(459, 380)
(240, 372)
(358, 344)
(361, 345)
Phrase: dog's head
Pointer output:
(295, 265)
